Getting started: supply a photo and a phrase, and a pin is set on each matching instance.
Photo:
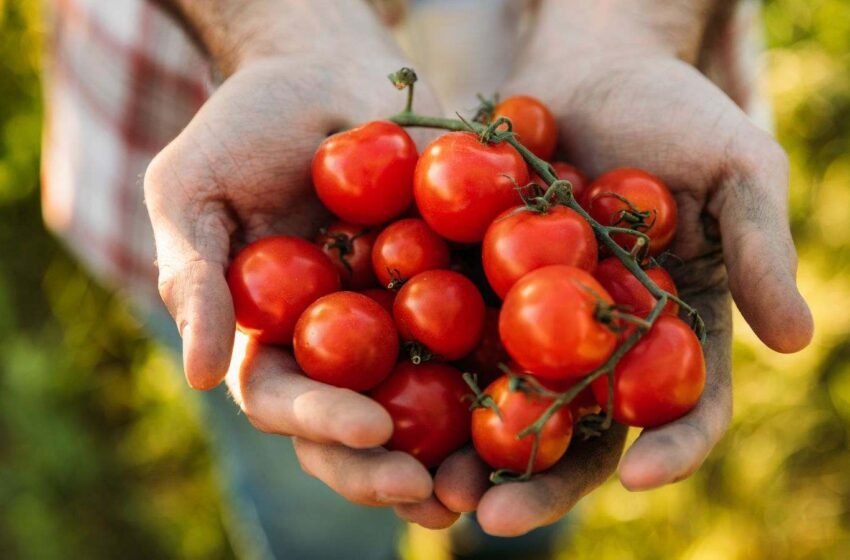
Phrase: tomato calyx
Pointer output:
(417, 353)
(343, 243)
(614, 315)
(479, 399)
(486, 108)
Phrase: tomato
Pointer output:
(533, 123)
(365, 175)
(346, 339)
(495, 438)
(549, 326)
(582, 404)
(660, 379)
(441, 310)
(627, 290)
(404, 249)
(460, 184)
(519, 241)
(568, 172)
(485, 358)
(272, 282)
(385, 297)
(647, 193)
(350, 249)
(430, 410)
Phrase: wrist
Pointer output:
(236, 33)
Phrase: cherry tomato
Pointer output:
(346, 340)
(404, 249)
(569, 173)
(485, 358)
(533, 123)
(629, 292)
(494, 436)
(441, 310)
(660, 379)
(646, 193)
(272, 282)
(365, 175)
(430, 410)
(519, 241)
(350, 249)
(461, 184)
(385, 297)
(582, 404)
(549, 325)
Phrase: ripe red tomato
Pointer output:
(629, 292)
(429, 407)
(350, 249)
(533, 123)
(485, 358)
(460, 184)
(569, 173)
(272, 282)
(519, 241)
(660, 379)
(549, 326)
(365, 175)
(495, 438)
(346, 340)
(385, 297)
(405, 248)
(582, 404)
(443, 311)
(646, 192)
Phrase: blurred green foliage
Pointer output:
(101, 455)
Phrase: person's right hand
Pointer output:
(240, 171)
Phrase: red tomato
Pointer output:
(519, 241)
(495, 438)
(272, 282)
(350, 249)
(429, 409)
(405, 248)
(582, 404)
(461, 184)
(646, 192)
(548, 323)
(533, 123)
(346, 340)
(485, 358)
(567, 172)
(443, 311)
(385, 297)
(629, 292)
(660, 379)
(365, 175)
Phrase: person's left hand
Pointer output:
(626, 102)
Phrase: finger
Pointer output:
(673, 452)
(462, 480)
(373, 477)
(277, 398)
(515, 508)
(192, 241)
(430, 514)
(760, 254)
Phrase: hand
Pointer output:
(241, 171)
(622, 98)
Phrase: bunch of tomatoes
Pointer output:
(461, 259)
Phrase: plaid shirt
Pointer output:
(122, 79)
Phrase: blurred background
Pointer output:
(102, 456)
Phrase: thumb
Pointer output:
(192, 240)
(759, 251)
